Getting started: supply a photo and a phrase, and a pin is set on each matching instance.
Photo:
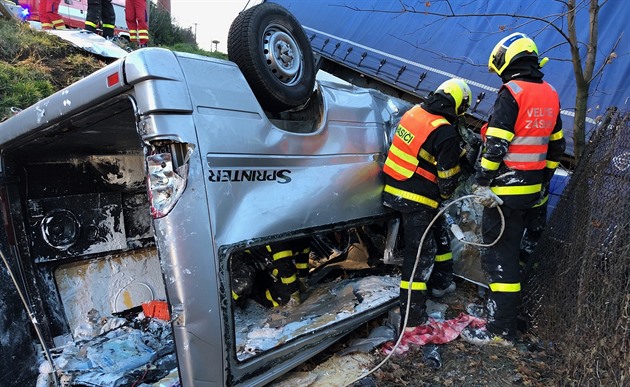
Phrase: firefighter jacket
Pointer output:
(524, 142)
(422, 166)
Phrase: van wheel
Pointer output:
(271, 49)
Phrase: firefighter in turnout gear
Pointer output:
(535, 221)
(101, 12)
(281, 287)
(422, 169)
(274, 275)
(523, 146)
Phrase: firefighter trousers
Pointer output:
(442, 274)
(101, 12)
(282, 285)
(49, 15)
(535, 223)
(137, 18)
(414, 225)
(501, 265)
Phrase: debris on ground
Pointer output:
(455, 363)
(120, 353)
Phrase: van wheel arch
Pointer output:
(274, 54)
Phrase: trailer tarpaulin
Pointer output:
(408, 45)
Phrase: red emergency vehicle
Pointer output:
(73, 13)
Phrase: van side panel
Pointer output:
(190, 270)
(232, 137)
(248, 179)
(188, 258)
(246, 157)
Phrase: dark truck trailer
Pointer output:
(408, 54)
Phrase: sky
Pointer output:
(213, 18)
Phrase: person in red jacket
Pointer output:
(421, 170)
(522, 148)
(137, 19)
(49, 15)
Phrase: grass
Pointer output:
(35, 64)
(24, 79)
(22, 86)
(18, 42)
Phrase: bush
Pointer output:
(193, 49)
(164, 32)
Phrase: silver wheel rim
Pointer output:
(282, 55)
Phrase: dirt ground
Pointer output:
(463, 364)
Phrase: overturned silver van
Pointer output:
(142, 182)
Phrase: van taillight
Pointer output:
(165, 184)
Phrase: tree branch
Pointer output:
(410, 9)
(607, 61)
(591, 52)
(575, 52)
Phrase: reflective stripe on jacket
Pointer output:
(539, 106)
(414, 128)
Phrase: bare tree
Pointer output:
(583, 65)
(584, 73)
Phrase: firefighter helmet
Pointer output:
(509, 49)
(459, 91)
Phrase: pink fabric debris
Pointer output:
(434, 332)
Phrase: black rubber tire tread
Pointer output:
(245, 49)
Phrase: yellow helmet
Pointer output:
(459, 91)
(510, 48)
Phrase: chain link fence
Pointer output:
(578, 278)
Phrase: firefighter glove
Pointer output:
(543, 195)
(486, 197)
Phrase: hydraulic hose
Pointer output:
(413, 273)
